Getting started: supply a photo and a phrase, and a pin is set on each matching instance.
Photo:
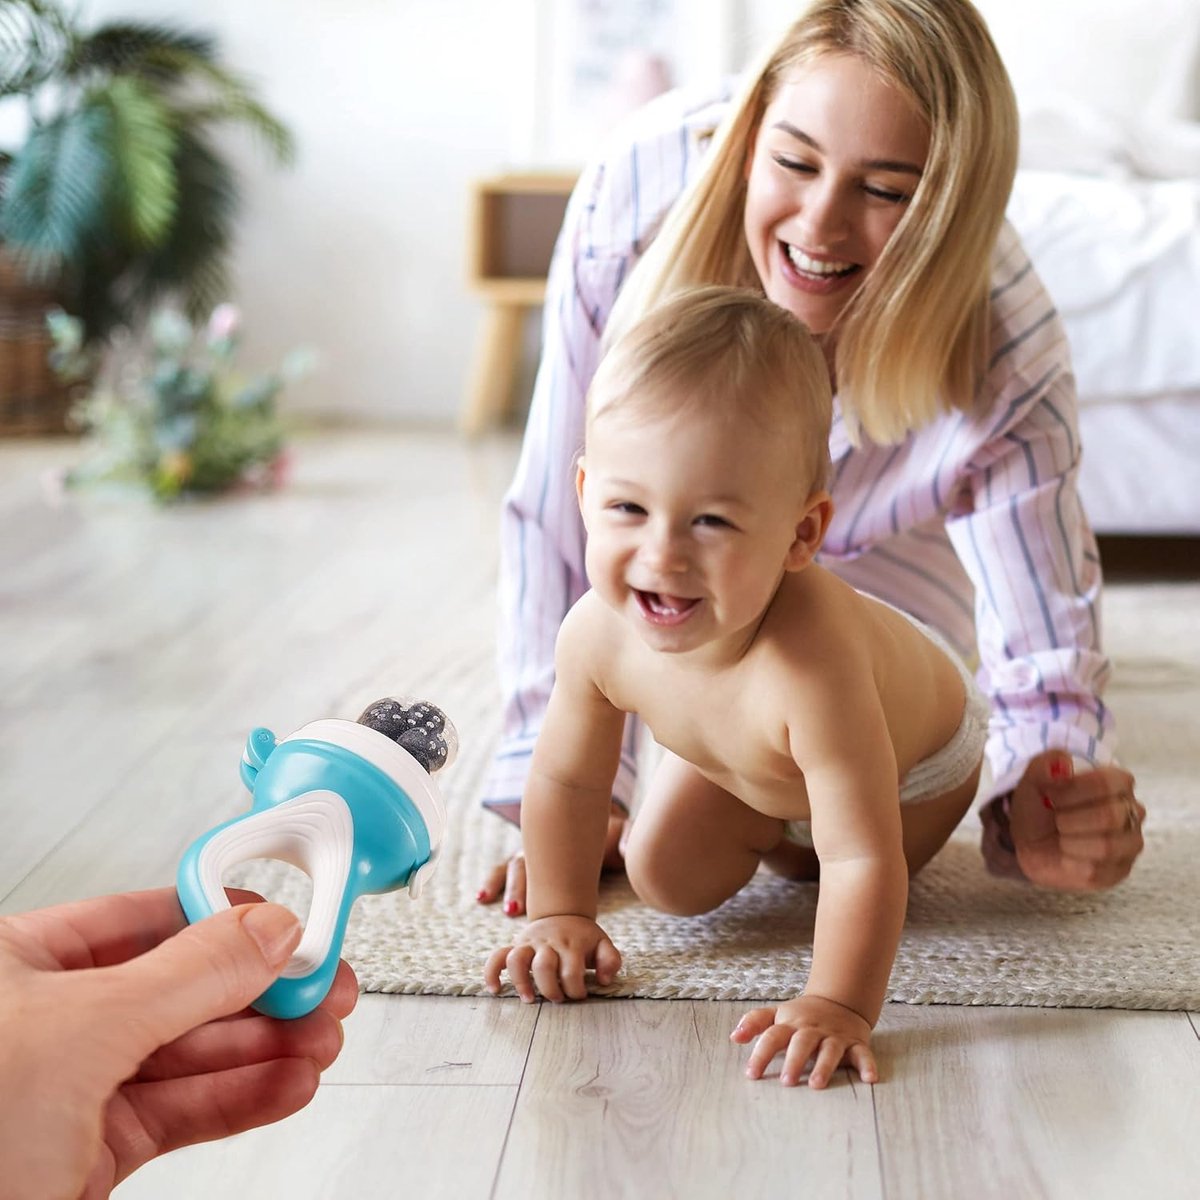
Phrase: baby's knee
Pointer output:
(658, 878)
(675, 901)
(673, 881)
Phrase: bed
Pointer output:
(1107, 201)
(1121, 259)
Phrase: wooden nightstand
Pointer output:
(515, 219)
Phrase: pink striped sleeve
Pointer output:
(1025, 542)
(974, 525)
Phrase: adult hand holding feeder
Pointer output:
(354, 805)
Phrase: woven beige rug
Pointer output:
(969, 938)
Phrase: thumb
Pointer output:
(608, 962)
(1048, 769)
(206, 971)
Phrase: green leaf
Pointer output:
(193, 257)
(234, 101)
(56, 192)
(35, 40)
(130, 47)
(144, 141)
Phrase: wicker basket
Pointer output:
(32, 400)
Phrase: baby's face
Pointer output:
(689, 523)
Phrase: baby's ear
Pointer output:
(810, 530)
(580, 474)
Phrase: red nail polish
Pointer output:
(1060, 769)
(1048, 803)
(510, 908)
(481, 895)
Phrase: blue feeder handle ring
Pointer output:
(346, 804)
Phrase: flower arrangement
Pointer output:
(172, 415)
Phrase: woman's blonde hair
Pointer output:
(913, 340)
(729, 354)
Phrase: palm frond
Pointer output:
(233, 101)
(35, 40)
(57, 190)
(194, 256)
(134, 48)
(93, 288)
(243, 110)
(143, 144)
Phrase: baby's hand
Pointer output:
(806, 1028)
(550, 956)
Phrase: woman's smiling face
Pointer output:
(831, 171)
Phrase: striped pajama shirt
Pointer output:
(973, 524)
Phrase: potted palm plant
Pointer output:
(118, 195)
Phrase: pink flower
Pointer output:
(279, 469)
(224, 322)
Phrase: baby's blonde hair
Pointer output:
(729, 354)
(913, 340)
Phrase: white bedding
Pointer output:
(1107, 202)
(1140, 472)
(1121, 260)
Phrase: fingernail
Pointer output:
(275, 929)
(510, 908)
(1048, 803)
(1060, 769)
(481, 895)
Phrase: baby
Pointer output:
(805, 725)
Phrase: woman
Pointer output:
(859, 179)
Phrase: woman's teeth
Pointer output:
(813, 266)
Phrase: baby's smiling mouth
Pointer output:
(661, 609)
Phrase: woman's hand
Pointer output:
(507, 879)
(809, 1027)
(113, 1046)
(1075, 832)
(550, 956)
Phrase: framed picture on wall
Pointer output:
(594, 61)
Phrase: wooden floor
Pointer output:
(140, 646)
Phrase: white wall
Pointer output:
(360, 249)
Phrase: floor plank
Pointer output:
(349, 1142)
(435, 1040)
(1004, 1102)
(641, 1098)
